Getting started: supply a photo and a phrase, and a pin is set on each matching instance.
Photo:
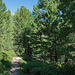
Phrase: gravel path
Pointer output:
(15, 65)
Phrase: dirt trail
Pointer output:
(15, 65)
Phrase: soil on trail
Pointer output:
(15, 65)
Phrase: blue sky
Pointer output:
(14, 4)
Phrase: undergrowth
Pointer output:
(30, 66)
(6, 61)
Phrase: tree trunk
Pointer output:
(56, 59)
(66, 59)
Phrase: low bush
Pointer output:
(35, 67)
(68, 69)
(6, 61)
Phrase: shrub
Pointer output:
(39, 68)
(68, 69)
(6, 61)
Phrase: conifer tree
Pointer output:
(67, 13)
(6, 28)
(52, 24)
(2, 17)
(23, 28)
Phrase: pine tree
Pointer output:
(23, 28)
(6, 28)
(46, 12)
(8, 25)
(2, 19)
(52, 24)
(67, 14)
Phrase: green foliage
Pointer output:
(7, 55)
(6, 39)
(67, 68)
(23, 21)
(52, 21)
(48, 34)
(33, 67)
(6, 61)
(6, 31)
(26, 58)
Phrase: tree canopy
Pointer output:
(47, 34)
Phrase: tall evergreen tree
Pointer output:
(2, 17)
(52, 24)
(67, 13)
(23, 27)
(6, 28)
(8, 31)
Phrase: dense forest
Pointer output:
(45, 38)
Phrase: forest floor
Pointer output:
(15, 65)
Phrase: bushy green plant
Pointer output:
(68, 69)
(38, 68)
(6, 61)
(45, 70)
